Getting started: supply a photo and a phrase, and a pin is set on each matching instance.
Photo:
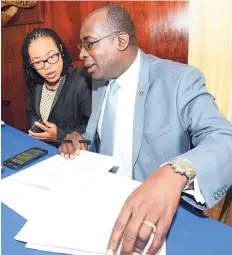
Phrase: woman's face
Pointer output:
(44, 48)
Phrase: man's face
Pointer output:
(102, 57)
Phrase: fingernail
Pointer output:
(135, 253)
(77, 152)
(62, 154)
(71, 156)
(109, 252)
(66, 156)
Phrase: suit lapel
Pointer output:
(38, 99)
(62, 81)
(141, 94)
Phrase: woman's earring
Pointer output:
(61, 50)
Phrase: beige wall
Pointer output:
(210, 47)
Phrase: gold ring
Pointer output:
(150, 224)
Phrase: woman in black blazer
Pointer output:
(58, 92)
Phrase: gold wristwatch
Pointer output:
(184, 167)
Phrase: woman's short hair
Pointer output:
(31, 75)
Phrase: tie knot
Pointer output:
(114, 86)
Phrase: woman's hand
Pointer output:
(49, 134)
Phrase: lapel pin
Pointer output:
(141, 93)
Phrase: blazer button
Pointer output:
(220, 193)
(223, 189)
(215, 195)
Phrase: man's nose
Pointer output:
(83, 53)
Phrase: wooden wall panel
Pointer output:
(156, 33)
(7, 114)
(169, 30)
(12, 38)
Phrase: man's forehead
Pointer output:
(94, 24)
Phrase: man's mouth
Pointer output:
(90, 67)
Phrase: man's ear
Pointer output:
(123, 41)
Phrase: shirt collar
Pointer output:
(131, 73)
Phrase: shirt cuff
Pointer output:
(195, 192)
(193, 189)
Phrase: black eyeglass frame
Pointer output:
(88, 45)
(46, 60)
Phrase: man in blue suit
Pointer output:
(158, 120)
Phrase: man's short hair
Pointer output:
(118, 19)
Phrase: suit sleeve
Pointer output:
(85, 104)
(31, 112)
(211, 137)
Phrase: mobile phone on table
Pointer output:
(25, 158)
(36, 129)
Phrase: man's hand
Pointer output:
(70, 150)
(49, 134)
(155, 201)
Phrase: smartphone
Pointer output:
(36, 129)
(25, 158)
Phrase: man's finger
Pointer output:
(144, 235)
(62, 149)
(70, 150)
(73, 147)
(83, 146)
(118, 229)
(162, 229)
(131, 233)
(75, 141)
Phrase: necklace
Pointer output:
(55, 87)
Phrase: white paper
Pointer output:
(162, 250)
(23, 199)
(71, 205)
(25, 191)
(89, 215)
(57, 173)
(59, 249)
(83, 222)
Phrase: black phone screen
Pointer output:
(25, 157)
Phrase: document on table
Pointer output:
(24, 191)
(57, 173)
(162, 250)
(81, 223)
(71, 205)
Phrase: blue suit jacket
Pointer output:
(175, 116)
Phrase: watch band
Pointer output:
(184, 167)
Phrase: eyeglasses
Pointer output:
(38, 65)
(88, 45)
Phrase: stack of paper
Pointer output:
(71, 206)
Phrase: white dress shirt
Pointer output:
(128, 83)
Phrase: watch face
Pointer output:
(184, 166)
